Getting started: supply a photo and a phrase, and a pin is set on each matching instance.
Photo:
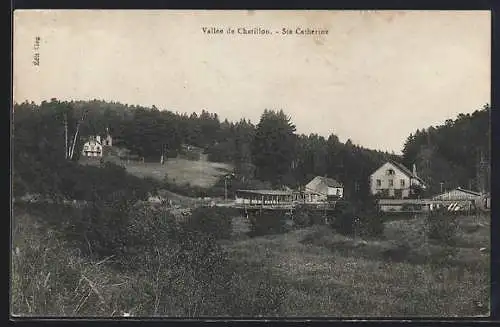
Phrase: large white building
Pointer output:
(393, 179)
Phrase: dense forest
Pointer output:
(269, 151)
(456, 153)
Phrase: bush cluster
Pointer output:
(343, 219)
(302, 217)
(442, 227)
(266, 223)
(215, 222)
(362, 219)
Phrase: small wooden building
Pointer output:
(320, 189)
(459, 194)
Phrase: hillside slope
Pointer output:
(452, 153)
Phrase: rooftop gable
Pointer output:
(459, 189)
(468, 191)
(403, 170)
(316, 181)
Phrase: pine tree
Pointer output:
(273, 147)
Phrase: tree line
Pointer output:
(455, 153)
(270, 152)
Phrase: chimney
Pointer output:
(414, 170)
(98, 138)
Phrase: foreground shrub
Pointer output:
(302, 217)
(105, 228)
(442, 227)
(370, 221)
(267, 223)
(216, 222)
(343, 219)
(318, 217)
(371, 224)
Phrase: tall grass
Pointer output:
(165, 268)
(50, 278)
(115, 258)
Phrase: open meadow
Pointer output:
(402, 274)
(179, 171)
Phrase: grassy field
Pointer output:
(321, 272)
(180, 171)
(332, 275)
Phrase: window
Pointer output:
(338, 191)
(379, 182)
(402, 182)
(391, 183)
(390, 172)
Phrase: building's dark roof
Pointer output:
(314, 184)
(330, 182)
(406, 171)
(468, 191)
(402, 168)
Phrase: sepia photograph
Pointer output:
(250, 164)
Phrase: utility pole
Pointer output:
(478, 172)
(225, 188)
(66, 135)
(76, 136)
(482, 166)
(442, 183)
(484, 173)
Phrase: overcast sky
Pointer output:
(375, 77)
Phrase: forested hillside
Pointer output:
(452, 153)
(270, 151)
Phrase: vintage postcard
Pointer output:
(251, 164)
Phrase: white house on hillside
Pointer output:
(95, 145)
(319, 189)
(393, 180)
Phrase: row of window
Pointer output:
(402, 182)
(91, 148)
